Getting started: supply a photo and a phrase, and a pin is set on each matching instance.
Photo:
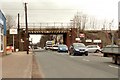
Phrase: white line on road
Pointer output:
(86, 60)
(74, 56)
(113, 66)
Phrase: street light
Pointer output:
(27, 37)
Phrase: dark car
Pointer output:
(78, 49)
(62, 48)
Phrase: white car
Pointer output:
(54, 47)
(93, 48)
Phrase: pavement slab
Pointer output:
(17, 65)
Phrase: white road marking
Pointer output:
(74, 56)
(86, 60)
(113, 66)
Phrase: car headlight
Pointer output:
(86, 49)
(60, 48)
(66, 48)
(76, 49)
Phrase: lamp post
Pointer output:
(119, 34)
(27, 39)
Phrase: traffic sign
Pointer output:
(82, 35)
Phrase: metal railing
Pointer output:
(47, 25)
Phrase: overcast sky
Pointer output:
(61, 10)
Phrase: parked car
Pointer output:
(62, 48)
(54, 47)
(93, 48)
(48, 45)
(78, 49)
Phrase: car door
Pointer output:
(90, 48)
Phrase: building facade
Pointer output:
(2, 33)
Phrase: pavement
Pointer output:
(17, 65)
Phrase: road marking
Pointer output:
(113, 66)
(74, 56)
(86, 60)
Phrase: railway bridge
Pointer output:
(66, 29)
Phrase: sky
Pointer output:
(61, 10)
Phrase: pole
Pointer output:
(13, 42)
(119, 34)
(18, 32)
(26, 28)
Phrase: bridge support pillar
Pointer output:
(70, 36)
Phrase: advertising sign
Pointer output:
(13, 31)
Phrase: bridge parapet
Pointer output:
(48, 30)
(47, 25)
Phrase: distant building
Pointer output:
(2, 33)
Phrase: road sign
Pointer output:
(82, 35)
(13, 31)
(77, 39)
(88, 40)
(97, 41)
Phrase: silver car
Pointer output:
(93, 48)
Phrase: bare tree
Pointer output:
(10, 21)
(80, 21)
(84, 21)
(93, 23)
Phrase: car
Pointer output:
(54, 47)
(107, 47)
(48, 45)
(78, 49)
(93, 48)
(62, 48)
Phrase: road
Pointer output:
(60, 65)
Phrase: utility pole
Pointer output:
(18, 32)
(119, 33)
(27, 39)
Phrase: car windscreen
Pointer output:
(92, 46)
(79, 45)
(63, 46)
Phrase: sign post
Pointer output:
(13, 32)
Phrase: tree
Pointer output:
(84, 21)
(93, 23)
(80, 20)
(43, 40)
(10, 21)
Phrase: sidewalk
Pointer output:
(17, 65)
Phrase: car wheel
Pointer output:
(97, 51)
(73, 54)
(114, 59)
(69, 53)
(118, 60)
(86, 54)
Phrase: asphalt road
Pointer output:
(60, 65)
